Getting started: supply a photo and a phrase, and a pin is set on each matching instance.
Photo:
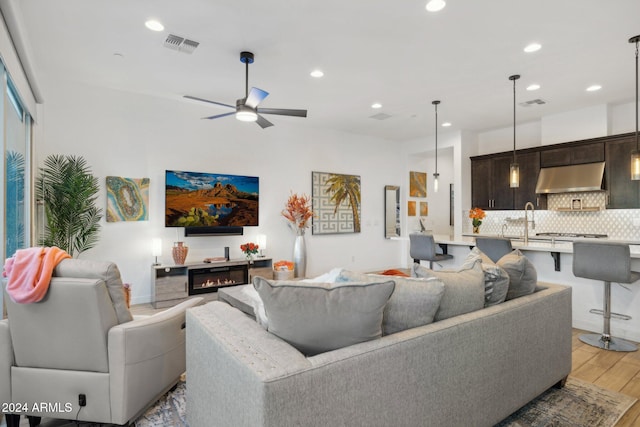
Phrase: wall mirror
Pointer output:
(391, 211)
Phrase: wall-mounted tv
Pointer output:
(210, 203)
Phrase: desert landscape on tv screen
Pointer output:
(195, 199)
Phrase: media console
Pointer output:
(171, 284)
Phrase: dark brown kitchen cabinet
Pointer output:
(623, 192)
(575, 155)
(490, 183)
(526, 192)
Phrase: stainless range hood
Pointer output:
(571, 179)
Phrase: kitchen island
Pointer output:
(553, 260)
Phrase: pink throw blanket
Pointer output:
(29, 272)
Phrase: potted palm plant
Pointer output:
(69, 191)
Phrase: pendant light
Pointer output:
(635, 154)
(436, 175)
(514, 169)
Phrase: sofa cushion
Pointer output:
(414, 302)
(107, 271)
(320, 317)
(522, 274)
(463, 288)
(496, 279)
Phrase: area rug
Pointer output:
(578, 404)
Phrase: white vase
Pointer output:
(299, 256)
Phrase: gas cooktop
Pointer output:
(575, 235)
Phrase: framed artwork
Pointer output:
(127, 199)
(335, 199)
(411, 208)
(424, 208)
(417, 184)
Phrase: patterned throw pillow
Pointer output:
(496, 279)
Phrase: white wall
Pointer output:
(138, 136)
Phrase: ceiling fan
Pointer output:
(246, 109)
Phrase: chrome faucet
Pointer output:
(526, 221)
(504, 226)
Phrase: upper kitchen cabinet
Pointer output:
(623, 192)
(490, 182)
(576, 154)
(529, 168)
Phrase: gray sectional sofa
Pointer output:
(473, 369)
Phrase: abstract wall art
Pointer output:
(424, 208)
(336, 203)
(411, 208)
(127, 199)
(417, 184)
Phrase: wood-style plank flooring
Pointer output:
(611, 370)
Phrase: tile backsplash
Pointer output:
(616, 223)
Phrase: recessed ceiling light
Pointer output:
(376, 105)
(533, 47)
(533, 86)
(446, 124)
(594, 88)
(316, 73)
(435, 5)
(154, 25)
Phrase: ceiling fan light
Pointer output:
(246, 115)
(435, 5)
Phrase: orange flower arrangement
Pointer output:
(476, 215)
(298, 212)
(249, 249)
(283, 266)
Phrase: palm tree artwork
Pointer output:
(337, 198)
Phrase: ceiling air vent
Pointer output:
(537, 101)
(380, 116)
(180, 44)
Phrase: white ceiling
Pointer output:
(392, 52)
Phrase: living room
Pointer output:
(144, 131)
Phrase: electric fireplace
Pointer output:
(210, 279)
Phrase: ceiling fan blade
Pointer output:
(255, 97)
(210, 102)
(283, 112)
(264, 123)
(217, 116)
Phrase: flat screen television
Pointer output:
(210, 203)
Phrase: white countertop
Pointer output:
(563, 245)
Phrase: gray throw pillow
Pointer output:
(107, 271)
(496, 279)
(320, 317)
(463, 288)
(414, 301)
(522, 274)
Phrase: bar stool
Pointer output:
(494, 247)
(423, 247)
(609, 262)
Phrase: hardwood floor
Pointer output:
(611, 370)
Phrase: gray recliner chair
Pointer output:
(494, 247)
(422, 247)
(609, 262)
(80, 343)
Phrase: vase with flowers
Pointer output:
(298, 212)
(476, 215)
(249, 250)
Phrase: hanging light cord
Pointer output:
(637, 40)
(514, 119)
(436, 104)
